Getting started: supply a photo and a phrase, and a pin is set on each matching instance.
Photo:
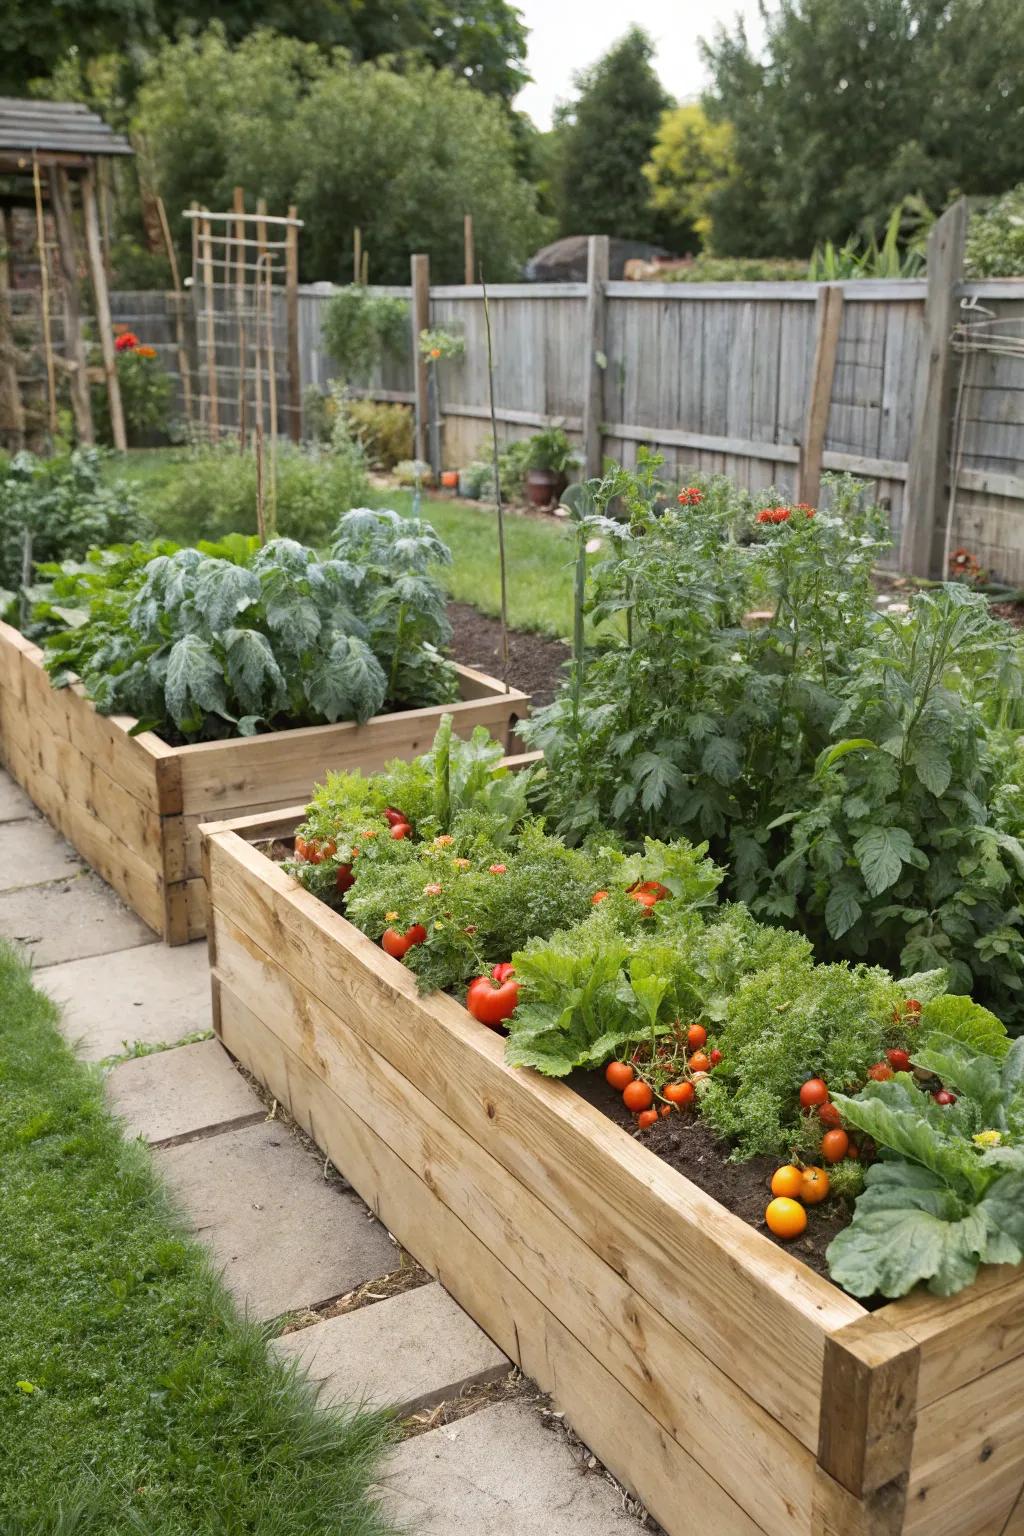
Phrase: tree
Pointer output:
(691, 159)
(856, 103)
(402, 155)
(604, 137)
(482, 41)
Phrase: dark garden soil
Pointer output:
(535, 661)
(684, 1142)
(1013, 613)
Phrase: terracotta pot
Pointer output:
(544, 486)
(450, 479)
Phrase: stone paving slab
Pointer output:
(150, 992)
(14, 803)
(70, 919)
(286, 1238)
(405, 1353)
(498, 1472)
(31, 852)
(179, 1093)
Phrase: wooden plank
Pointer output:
(819, 398)
(466, 292)
(926, 480)
(618, 1428)
(990, 483)
(856, 290)
(703, 441)
(420, 270)
(868, 1415)
(767, 1330)
(595, 353)
(540, 419)
(964, 1337)
(766, 1471)
(101, 299)
(860, 464)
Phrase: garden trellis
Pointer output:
(245, 271)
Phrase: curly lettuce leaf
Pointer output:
(966, 1020)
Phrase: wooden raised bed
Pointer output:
(736, 1391)
(132, 805)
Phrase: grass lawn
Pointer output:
(132, 1397)
(539, 550)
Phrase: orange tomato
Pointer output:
(786, 1218)
(788, 1181)
(637, 1095)
(647, 1118)
(700, 1062)
(619, 1073)
(678, 1093)
(834, 1146)
(598, 897)
(696, 1036)
(814, 1186)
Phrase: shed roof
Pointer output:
(56, 127)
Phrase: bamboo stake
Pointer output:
(103, 321)
(365, 275)
(261, 521)
(292, 330)
(502, 567)
(51, 377)
(179, 321)
(239, 207)
(272, 396)
(205, 245)
(74, 346)
(467, 243)
(357, 253)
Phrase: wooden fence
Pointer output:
(769, 383)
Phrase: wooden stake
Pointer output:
(261, 521)
(365, 275)
(103, 175)
(103, 321)
(12, 414)
(272, 396)
(594, 362)
(292, 320)
(44, 276)
(829, 319)
(502, 569)
(357, 253)
(239, 226)
(420, 322)
(467, 244)
(206, 256)
(179, 320)
(74, 345)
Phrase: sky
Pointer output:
(566, 35)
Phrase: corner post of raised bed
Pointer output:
(595, 360)
(929, 442)
(167, 773)
(207, 832)
(866, 1429)
(420, 278)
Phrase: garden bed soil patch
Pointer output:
(1013, 613)
(684, 1142)
(535, 661)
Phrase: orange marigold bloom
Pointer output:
(690, 496)
(146, 351)
(774, 515)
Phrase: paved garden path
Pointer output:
(292, 1237)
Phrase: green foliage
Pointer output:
(851, 105)
(384, 431)
(224, 640)
(551, 450)
(690, 158)
(736, 269)
(603, 139)
(62, 506)
(901, 252)
(439, 344)
(170, 1416)
(352, 143)
(212, 492)
(995, 237)
(147, 393)
(361, 329)
(948, 1194)
(838, 760)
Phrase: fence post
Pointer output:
(420, 322)
(595, 362)
(828, 319)
(929, 442)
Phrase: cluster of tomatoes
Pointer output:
(315, 850)
(647, 893)
(793, 1189)
(682, 1079)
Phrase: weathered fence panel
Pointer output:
(718, 377)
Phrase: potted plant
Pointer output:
(548, 462)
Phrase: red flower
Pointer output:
(127, 343)
(690, 496)
(802, 506)
(774, 515)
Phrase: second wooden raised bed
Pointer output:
(132, 805)
(732, 1388)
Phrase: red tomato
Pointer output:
(715, 1057)
(898, 1060)
(397, 944)
(813, 1092)
(502, 971)
(679, 1093)
(598, 897)
(653, 888)
(911, 1005)
(619, 1074)
(492, 1002)
(699, 1062)
(497, 869)
(301, 847)
(401, 829)
(834, 1146)
(647, 1118)
(880, 1072)
(645, 898)
(395, 818)
(344, 879)
(696, 1036)
(943, 1096)
(637, 1095)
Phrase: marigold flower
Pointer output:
(432, 890)
(461, 863)
(987, 1139)
(773, 515)
(690, 496)
(435, 351)
(390, 917)
(444, 841)
(146, 351)
(127, 342)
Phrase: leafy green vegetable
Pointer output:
(963, 1019)
(948, 1194)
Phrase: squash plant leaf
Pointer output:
(195, 682)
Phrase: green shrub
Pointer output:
(213, 493)
(385, 431)
(736, 269)
(360, 329)
(995, 238)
